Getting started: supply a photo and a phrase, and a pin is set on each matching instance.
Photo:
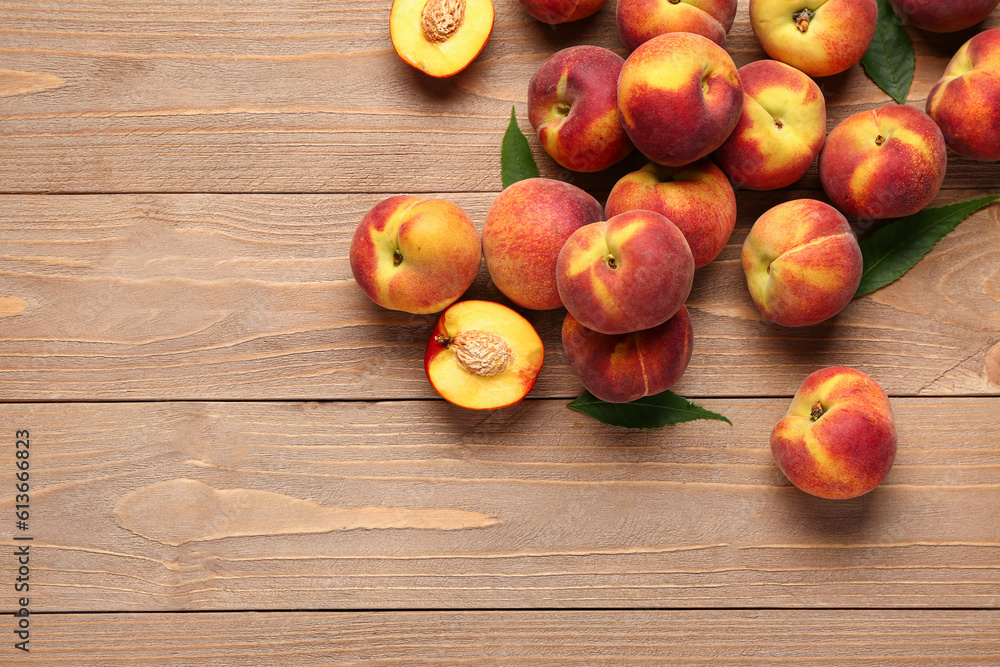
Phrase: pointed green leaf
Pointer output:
(648, 412)
(516, 161)
(894, 249)
(889, 60)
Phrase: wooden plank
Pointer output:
(251, 297)
(184, 97)
(210, 506)
(805, 637)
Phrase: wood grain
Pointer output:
(906, 638)
(222, 97)
(251, 297)
(565, 512)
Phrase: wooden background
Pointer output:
(236, 457)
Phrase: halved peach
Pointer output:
(482, 355)
(440, 37)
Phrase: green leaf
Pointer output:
(516, 162)
(645, 413)
(894, 249)
(889, 60)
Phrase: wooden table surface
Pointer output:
(235, 457)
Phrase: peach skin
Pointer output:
(679, 97)
(819, 37)
(802, 263)
(781, 130)
(838, 439)
(622, 368)
(641, 20)
(889, 162)
(965, 103)
(629, 273)
(525, 229)
(573, 106)
(554, 12)
(944, 15)
(415, 255)
(697, 198)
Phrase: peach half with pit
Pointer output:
(781, 130)
(641, 20)
(838, 439)
(573, 106)
(888, 162)
(698, 198)
(819, 37)
(525, 229)
(965, 103)
(483, 355)
(679, 97)
(440, 37)
(802, 263)
(626, 274)
(623, 368)
(416, 255)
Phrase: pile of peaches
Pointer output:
(624, 271)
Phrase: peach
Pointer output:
(965, 103)
(888, 162)
(573, 105)
(440, 37)
(781, 130)
(483, 355)
(838, 439)
(944, 15)
(679, 97)
(415, 255)
(561, 11)
(819, 37)
(525, 229)
(802, 263)
(622, 368)
(641, 20)
(697, 198)
(629, 273)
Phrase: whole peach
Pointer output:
(623, 368)
(697, 198)
(965, 103)
(838, 439)
(525, 229)
(802, 263)
(679, 97)
(889, 162)
(573, 105)
(629, 273)
(416, 255)
(819, 37)
(641, 20)
(781, 130)
(944, 15)
(560, 11)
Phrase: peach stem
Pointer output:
(817, 411)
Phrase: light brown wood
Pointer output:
(534, 506)
(806, 637)
(211, 162)
(303, 97)
(252, 297)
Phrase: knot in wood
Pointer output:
(481, 353)
(441, 18)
